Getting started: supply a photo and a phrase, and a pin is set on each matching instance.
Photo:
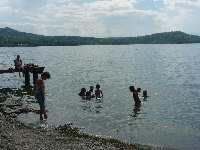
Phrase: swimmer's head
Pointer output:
(97, 86)
(83, 90)
(46, 75)
(131, 88)
(139, 90)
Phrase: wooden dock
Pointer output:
(27, 71)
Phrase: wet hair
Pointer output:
(98, 86)
(83, 90)
(46, 74)
(18, 56)
(132, 88)
(139, 90)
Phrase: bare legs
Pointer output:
(19, 72)
(21, 69)
(43, 111)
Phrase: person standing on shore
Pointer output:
(40, 93)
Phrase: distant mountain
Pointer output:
(174, 37)
(11, 37)
(8, 32)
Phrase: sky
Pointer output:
(101, 18)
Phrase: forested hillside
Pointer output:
(11, 37)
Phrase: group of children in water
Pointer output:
(91, 93)
(99, 94)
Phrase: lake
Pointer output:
(169, 117)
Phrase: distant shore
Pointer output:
(13, 38)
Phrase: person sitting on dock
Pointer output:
(98, 92)
(40, 93)
(18, 65)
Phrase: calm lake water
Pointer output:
(170, 117)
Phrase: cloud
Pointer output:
(187, 18)
(110, 5)
(100, 18)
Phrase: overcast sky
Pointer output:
(101, 18)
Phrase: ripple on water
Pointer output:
(168, 72)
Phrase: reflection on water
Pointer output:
(92, 105)
(136, 110)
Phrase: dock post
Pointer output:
(35, 77)
(27, 77)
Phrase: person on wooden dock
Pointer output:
(40, 94)
(18, 65)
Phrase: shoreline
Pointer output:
(16, 135)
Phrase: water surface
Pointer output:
(170, 117)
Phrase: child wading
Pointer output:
(40, 93)
(92, 91)
(98, 92)
(135, 95)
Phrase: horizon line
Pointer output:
(101, 37)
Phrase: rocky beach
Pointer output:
(15, 135)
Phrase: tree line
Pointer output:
(12, 38)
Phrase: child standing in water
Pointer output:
(91, 91)
(135, 95)
(98, 92)
(39, 94)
